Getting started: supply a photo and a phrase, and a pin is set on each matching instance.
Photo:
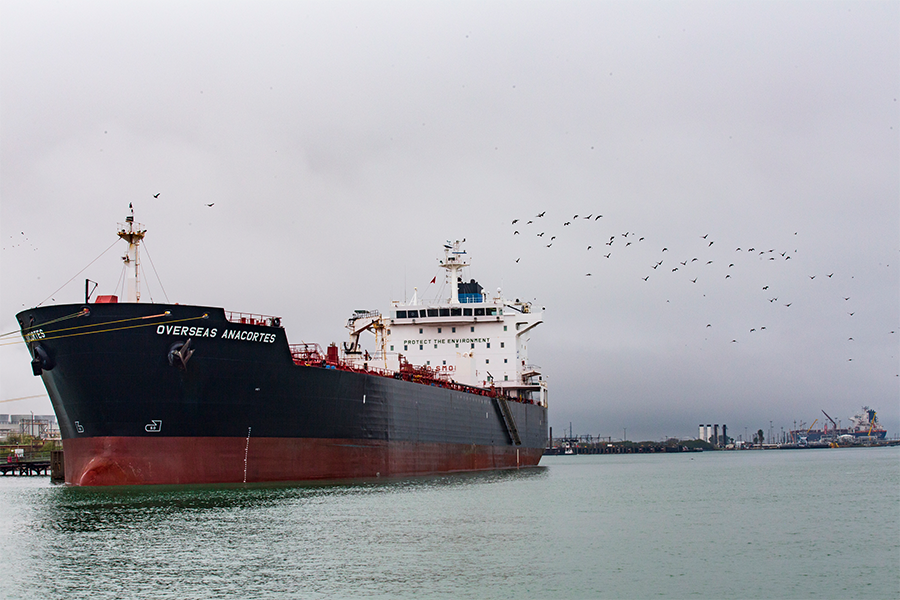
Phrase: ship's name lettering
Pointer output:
(185, 330)
(228, 334)
(248, 336)
(450, 341)
(37, 334)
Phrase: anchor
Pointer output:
(180, 353)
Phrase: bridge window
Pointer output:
(455, 312)
(479, 312)
(467, 312)
(401, 314)
(445, 312)
(432, 312)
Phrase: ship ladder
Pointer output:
(508, 420)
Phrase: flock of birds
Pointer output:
(706, 262)
(18, 241)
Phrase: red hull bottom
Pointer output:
(178, 460)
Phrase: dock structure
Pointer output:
(26, 467)
(31, 463)
(577, 446)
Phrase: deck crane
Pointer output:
(363, 320)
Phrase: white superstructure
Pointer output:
(471, 337)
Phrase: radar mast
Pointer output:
(132, 233)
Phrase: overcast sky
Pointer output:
(342, 143)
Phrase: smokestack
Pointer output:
(716, 435)
(724, 435)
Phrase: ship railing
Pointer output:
(364, 314)
(311, 355)
(307, 354)
(531, 368)
(252, 319)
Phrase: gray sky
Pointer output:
(343, 143)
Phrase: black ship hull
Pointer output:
(153, 394)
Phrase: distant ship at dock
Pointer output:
(864, 426)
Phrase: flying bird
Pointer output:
(589, 247)
(664, 249)
(646, 278)
(515, 233)
(515, 221)
(211, 204)
(541, 214)
(156, 195)
(597, 217)
(567, 223)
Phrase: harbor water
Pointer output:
(753, 524)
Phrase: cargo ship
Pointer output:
(149, 393)
(864, 426)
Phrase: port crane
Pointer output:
(832, 421)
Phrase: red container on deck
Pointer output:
(107, 300)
